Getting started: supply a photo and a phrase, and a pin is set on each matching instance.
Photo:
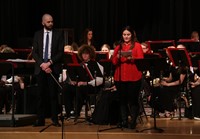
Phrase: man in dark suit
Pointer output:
(48, 50)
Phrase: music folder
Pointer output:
(154, 65)
(126, 53)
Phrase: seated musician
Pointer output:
(145, 48)
(106, 48)
(170, 86)
(6, 93)
(6, 88)
(6, 49)
(81, 88)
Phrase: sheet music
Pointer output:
(19, 60)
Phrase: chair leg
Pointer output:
(144, 111)
(4, 109)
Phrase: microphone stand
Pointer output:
(153, 66)
(154, 128)
(63, 106)
(95, 85)
(119, 59)
(179, 100)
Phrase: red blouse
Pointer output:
(129, 71)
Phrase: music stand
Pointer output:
(159, 45)
(108, 67)
(70, 57)
(76, 72)
(152, 55)
(5, 56)
(191, 45)
(101, 56)
(155, 65)
(180, 58)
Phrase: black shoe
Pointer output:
(122, 125)
(89, 119)
(76, 117)
(156, 115)
(39, 123)
(56, 123)
(132, 126)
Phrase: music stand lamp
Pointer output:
(180, 58)
(154, 65)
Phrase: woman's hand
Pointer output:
(129, 57)
(164, 83)
(194, 84)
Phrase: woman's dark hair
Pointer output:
(84, 37)
(133, 35)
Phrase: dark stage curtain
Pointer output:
(152, 19)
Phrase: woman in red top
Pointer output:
(127, 77)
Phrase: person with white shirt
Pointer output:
(48, 51)
(79, 88)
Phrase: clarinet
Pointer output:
(188, 90)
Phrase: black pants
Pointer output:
(47, 85)
(129, 99)
(82, 94)
(69, 92)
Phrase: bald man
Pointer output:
(48, 46)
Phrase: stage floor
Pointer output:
(172, 128)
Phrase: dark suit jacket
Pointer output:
(57, 50)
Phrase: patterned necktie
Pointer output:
(46, 48)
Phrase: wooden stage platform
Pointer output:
(173, 129)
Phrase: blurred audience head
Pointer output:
(195, 36)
